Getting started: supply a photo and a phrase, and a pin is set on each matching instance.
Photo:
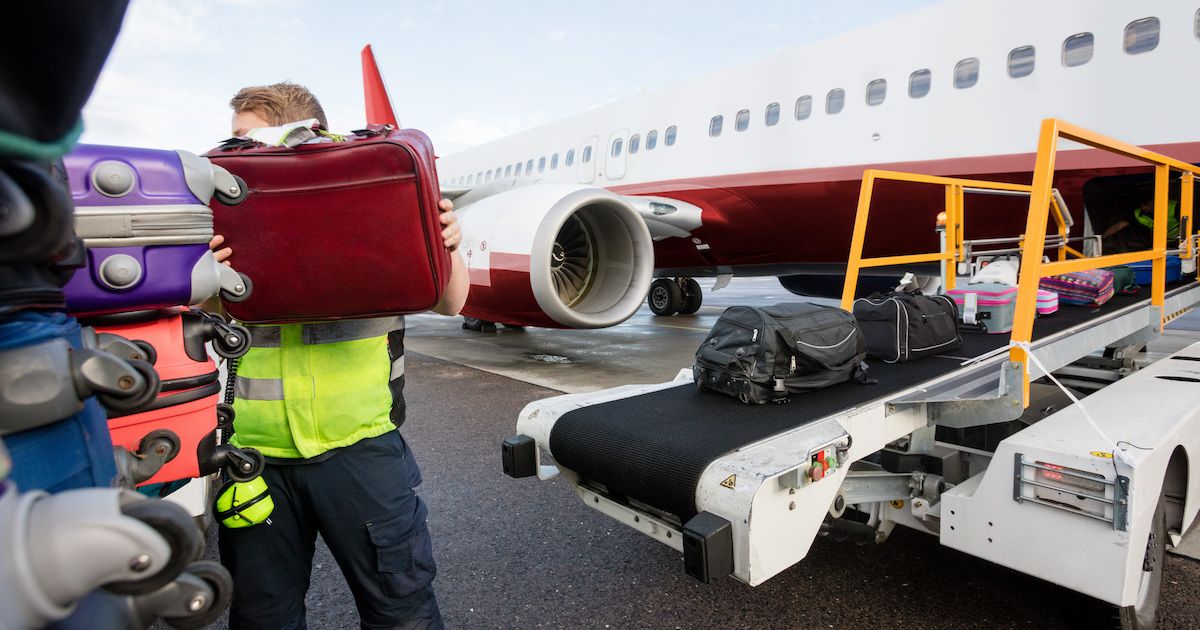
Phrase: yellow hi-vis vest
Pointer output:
(1147, 220)
(304, 389)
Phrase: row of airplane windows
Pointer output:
(585, 156)
(1141, 36)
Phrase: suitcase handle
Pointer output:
(716, 356)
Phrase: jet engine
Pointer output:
(554, 255)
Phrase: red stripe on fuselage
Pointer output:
(806, 216)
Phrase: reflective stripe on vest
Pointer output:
(304, 389)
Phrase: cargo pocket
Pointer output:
(403, 553)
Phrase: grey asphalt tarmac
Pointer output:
(529, 554)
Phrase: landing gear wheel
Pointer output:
(233, 200)
(230, 297)
(179, 531)
(245, 464)
(218, 579)
(234, 343)
(478, 325)
(1144, 614)
(693, 297)
(162, 443)
(131, 404)
(665, 297)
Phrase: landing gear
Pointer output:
(674, 295)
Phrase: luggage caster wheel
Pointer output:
(230, 297)
(162, 443)
(234, 343)
(126, 405)
(225, 415)
(665, 297)
(179, 531)
(148, 350)
(218, 579)
(233, 200)
(245, 464)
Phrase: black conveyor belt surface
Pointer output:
(654, 447)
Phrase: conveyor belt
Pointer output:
(654, 447)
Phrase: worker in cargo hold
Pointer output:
(323, 402)
(1137, 233)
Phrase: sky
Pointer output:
(464, 72)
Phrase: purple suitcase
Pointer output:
(143, 215)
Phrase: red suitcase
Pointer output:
(336, 230)
(186, 408)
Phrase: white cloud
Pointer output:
(557, 35)
(464, 132)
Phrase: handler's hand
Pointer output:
(451, 233)
(222, 255)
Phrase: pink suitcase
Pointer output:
(990, 306)
(1047, 302)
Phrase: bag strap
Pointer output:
(709, 353)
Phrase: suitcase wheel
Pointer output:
(148, 350)
(162, 443)
(232, 197)
(232, 343)
(231, 297)
(244, 464)
(131, 404)
(217, 578)
(176, 528)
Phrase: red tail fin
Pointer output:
(379, 107)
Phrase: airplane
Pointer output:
(755, 170)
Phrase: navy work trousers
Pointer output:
(361, 501)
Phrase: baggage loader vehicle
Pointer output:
(982, 446)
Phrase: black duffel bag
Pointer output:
(760, 355)
(904, 325)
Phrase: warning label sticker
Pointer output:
(730, 482)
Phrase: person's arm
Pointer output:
(455, 294)
(1114, 228)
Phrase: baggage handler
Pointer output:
(324, 402)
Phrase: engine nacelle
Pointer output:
(554, 255)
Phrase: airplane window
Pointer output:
(529, 167)
(803, 107)
(876, 92)
(499, 170)
(587, 154)
(635, 142)
(670, 139)
(1020, 62)
(835, 101)
(616, 147)
(517, 169)
(1197, 27)
(470, 179)
(542, 164)
(772, 116)
(553, 161)
(966, 73)
(742, 122)
(508, 171)
(919, 82)
(651, 139)
(714, 125)
(488, 178)
(479, 177)
(570, 157)
(1077, 49)
(1141, 35)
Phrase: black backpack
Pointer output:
(760, 355)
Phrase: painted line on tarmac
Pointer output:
(680, 327)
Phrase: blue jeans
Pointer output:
(361, 501)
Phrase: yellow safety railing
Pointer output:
(1032, 267)
(955, 250)
(1042, 208)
